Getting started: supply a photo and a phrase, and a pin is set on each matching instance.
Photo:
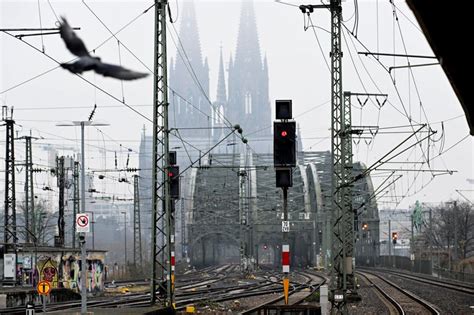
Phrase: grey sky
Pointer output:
(296, 67)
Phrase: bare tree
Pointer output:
(43, 224)
(453, 229)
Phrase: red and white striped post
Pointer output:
(173, 261)
(285, 248)
(285, 258)
(285, 261)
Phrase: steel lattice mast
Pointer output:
(137, 231)
(342, 222)
(30, 222)
(9, 236)
(161, 277)
(345, 131)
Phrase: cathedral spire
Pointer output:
(192, 94)
(265, 65)
(248, 100)
(248, 47)
(189, 34)
(221, 91)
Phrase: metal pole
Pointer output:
(285, 233)
(455, 230)
(83, 243)
(75, 202)
(28, 167)
(160, 159)
(241, 223)
(93, 231)
(389, 242)
(350, 222)
(314, 242)
(9, 233)
(340, 244)
(125, 235)
(431, 240)
(412, 243)
(61, 183)
(137, 234)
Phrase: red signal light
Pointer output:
(170, 174)
(284, 133)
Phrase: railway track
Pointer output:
(197, 288)
(397, 299)
(460, 287)
(205, 290)
(297, 294)
(194, 279)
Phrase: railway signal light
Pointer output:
(284, 144)
(365, 226)
(173, 175)
(394, 237)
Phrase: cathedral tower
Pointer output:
(248, 102)
(191, 84)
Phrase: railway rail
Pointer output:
(456, 286)
(397, 298)
(194, 289)
(297, 294)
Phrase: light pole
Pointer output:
(82, 240)
(125, 233)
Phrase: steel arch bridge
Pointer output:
(232, 205)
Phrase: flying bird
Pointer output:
(87, 62)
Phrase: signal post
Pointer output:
(284, 159)
(174, 192)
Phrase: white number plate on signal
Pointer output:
(285, 226)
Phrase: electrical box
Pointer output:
(9, 264)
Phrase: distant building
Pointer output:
(245, 102)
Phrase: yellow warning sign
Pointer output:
(286, 287)
(43, 287)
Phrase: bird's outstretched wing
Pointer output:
(108, 70)
(73, 42)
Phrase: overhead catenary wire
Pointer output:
(406, 114)
(319, 43)
(97, 47)
(86, 80)
(151, 71)
(193, 74)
